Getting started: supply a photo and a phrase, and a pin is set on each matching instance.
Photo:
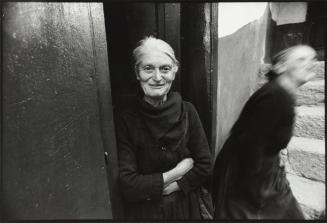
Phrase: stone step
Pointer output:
(310, 122)
(310, 195)
(320, 70)
(305, 157)
(311, 93)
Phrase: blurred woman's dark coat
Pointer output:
(249, 181)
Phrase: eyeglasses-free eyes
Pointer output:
(149, 69)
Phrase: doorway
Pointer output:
(191, 30)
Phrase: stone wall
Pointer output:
(305, 154)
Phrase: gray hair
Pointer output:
(151, 43)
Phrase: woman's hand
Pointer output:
(171, 188)
(178, 172)
(184, 166)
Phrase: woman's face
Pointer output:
(300, 64)
(156, 73)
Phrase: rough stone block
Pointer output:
(310, 194)
(311, 213)
(310, 122)
(306, 158)
(320, 70)
(311, 93)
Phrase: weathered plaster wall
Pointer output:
(239, 57)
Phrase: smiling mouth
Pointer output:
(157, 86)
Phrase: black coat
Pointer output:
(249, 181)
(142, 160)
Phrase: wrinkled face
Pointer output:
(156, 73)
(300, 63)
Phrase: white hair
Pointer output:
(151, 43)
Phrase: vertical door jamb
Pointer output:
(106, 110)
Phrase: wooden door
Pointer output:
(57, 113)
(199, 56)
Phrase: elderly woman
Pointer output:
(249, 182)
(164, 156)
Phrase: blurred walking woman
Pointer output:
(164, 156)
(249, 182)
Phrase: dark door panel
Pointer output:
(55, 89)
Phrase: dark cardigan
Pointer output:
(249, 181)
(142, 160)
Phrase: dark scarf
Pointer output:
(271, 75)
(167, 123)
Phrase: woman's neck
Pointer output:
(287, 83)
(155, 101)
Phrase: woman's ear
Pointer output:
(175, 69)
(279, 68)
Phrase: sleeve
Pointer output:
(200, 153)
(134, 186)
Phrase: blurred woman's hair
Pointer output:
(279, 59)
